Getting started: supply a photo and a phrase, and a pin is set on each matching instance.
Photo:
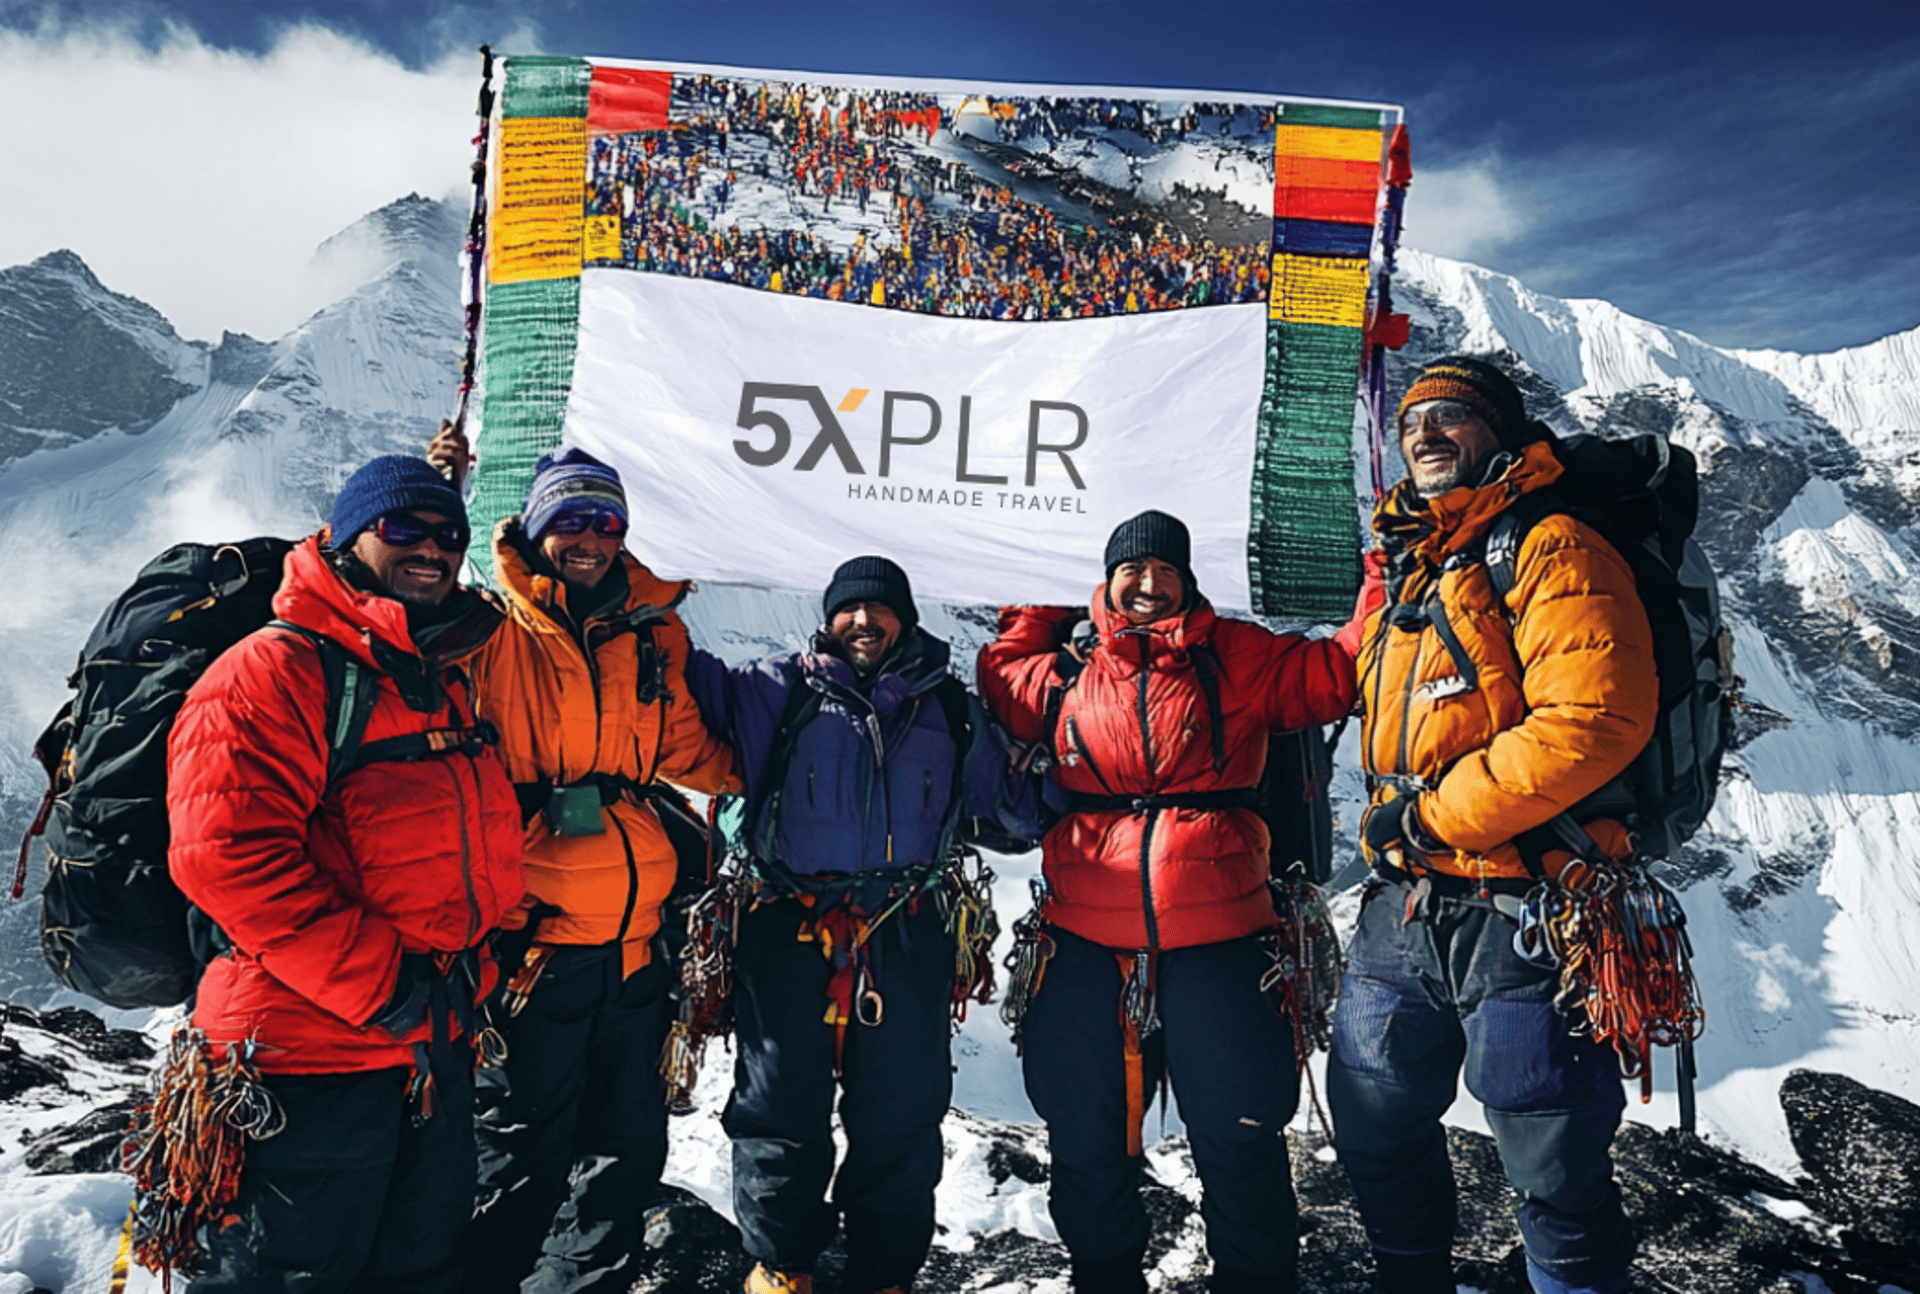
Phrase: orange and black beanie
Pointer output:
(1488, 391)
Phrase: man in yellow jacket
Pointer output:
(1486, 717)
(586, 684)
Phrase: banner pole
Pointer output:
(476, 241)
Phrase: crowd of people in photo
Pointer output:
(916, 230)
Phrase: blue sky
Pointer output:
(1739, 171)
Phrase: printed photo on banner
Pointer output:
(1022, 208)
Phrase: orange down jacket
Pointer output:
(565, 713)
(322, 893)
(1567, 693)
(1137, 723)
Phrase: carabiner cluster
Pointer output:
(186, 1147)
(1306, 965)
(973, 926)
(1618, 936)
(706, 987)
(1027, 963)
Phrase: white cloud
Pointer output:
(201, 180)
(1463, 213)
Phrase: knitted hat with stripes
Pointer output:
(1481, 387)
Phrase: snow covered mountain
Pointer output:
(118, 438)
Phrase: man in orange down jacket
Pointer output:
(1485, 719)
(1158, 899)
(586, 683)
(358, 897)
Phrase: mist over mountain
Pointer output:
(118, 438)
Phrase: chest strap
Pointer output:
(1244, 797)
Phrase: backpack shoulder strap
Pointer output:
(352, 690)
(1206, 667)
(1066, 672)
(951, 694)
(802, 703)
(1501, 550)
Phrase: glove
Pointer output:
(1395, 826)
(406, 1008)
(510, 946)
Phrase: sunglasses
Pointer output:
(404, 530)
(1443, 415)
(573, 521)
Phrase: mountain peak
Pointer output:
(409, 228)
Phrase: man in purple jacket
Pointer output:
(865, 763)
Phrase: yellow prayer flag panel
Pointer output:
(536, 227)
(1328, 142)
(603, 238)
(1319, 290)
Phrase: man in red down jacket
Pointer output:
(1158, 896)
(358, 907)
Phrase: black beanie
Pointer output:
(871, 579)
(1152, 534)
(1480, 386)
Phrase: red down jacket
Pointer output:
(321, 896)
(1137, 723)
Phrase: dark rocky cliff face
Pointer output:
(76, 359)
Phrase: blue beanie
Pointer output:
(871, 579)
(395, 483)
(565, 477)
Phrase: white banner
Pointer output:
(767, 438)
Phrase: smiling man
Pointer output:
(865, 761)
(1486, 715)
(1156, 713)
(359, 885)
(586, 684)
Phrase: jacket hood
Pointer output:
(313, 596)
(533, 598)
(919, 663)
(1434, 529)
(1167, 639)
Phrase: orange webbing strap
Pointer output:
(841, 931)
(1135, 1065)
(520, 987)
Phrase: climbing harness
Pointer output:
(1618, 937)
(186, 1147)
(1026, 963)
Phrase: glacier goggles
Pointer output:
(577, 518)
(1442, 415)
(404, 530)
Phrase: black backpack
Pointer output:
(112, 923)
(1642, 494)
